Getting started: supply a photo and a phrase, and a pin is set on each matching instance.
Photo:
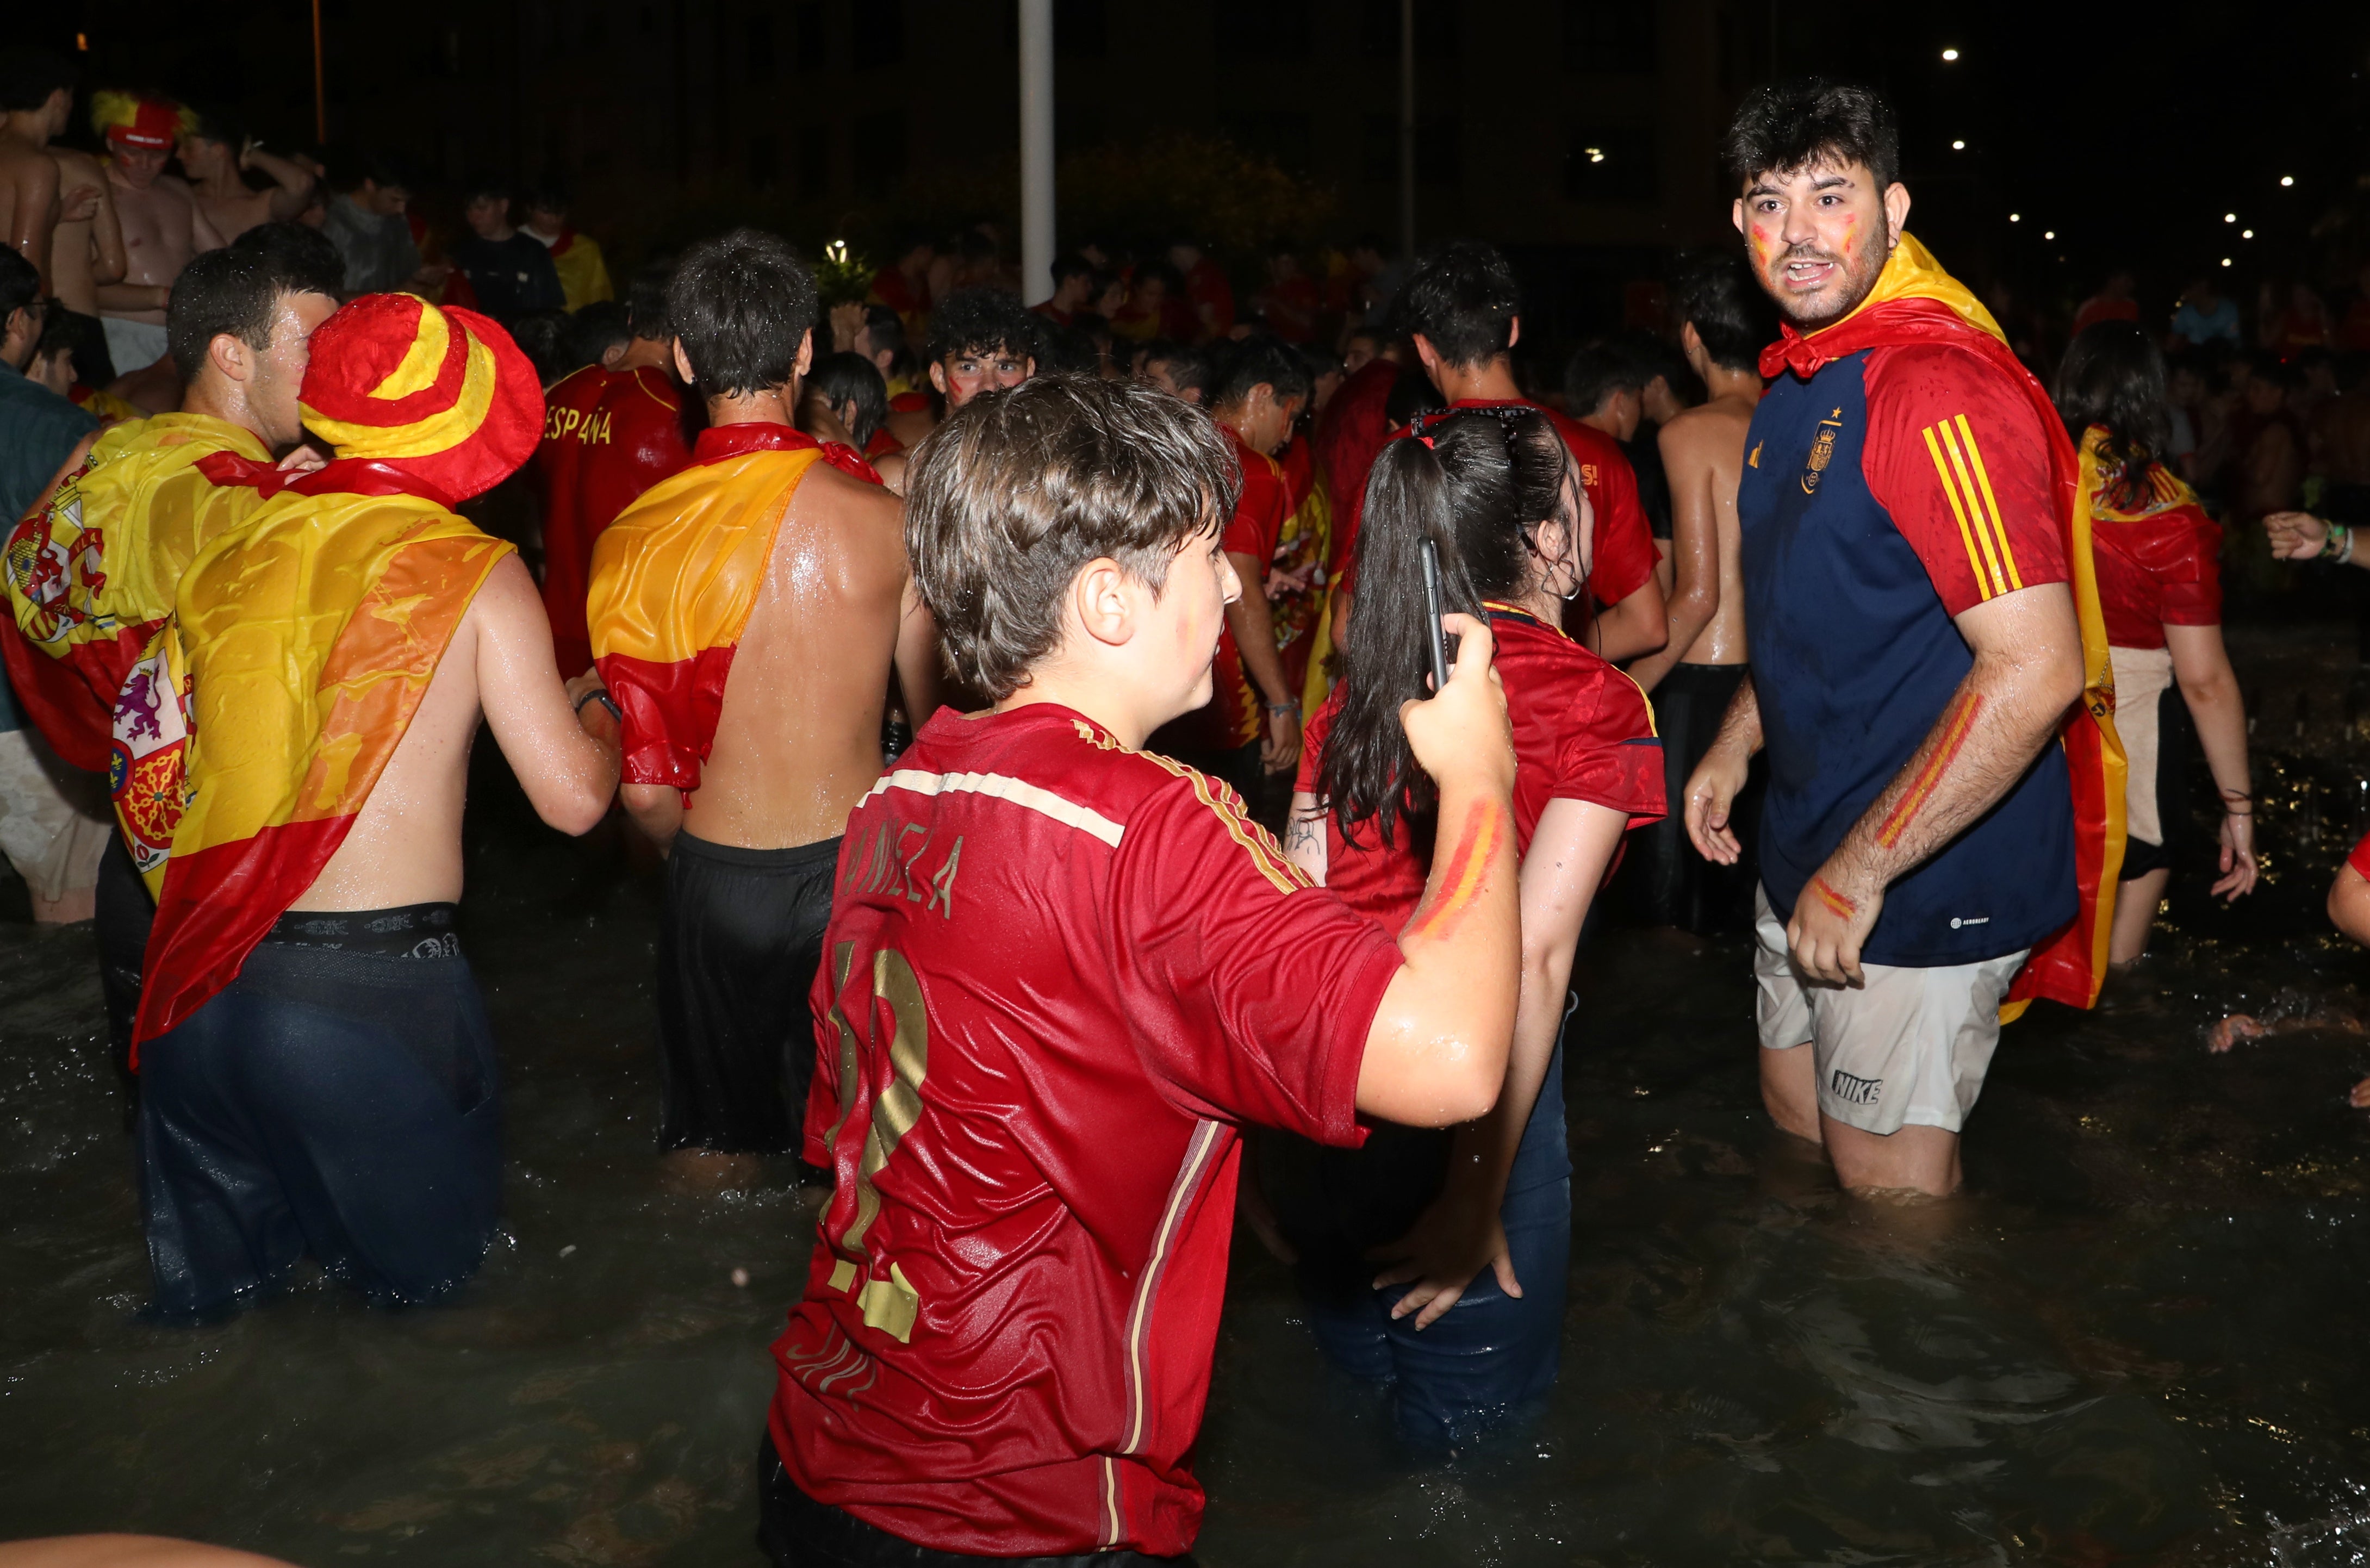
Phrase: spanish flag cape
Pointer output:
(675, 579)
(1915, 301)
(90, 572)
(253, 732)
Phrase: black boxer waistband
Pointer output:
(798, 858)
(412, 931)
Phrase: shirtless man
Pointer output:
(162, 226)
(1725, 321)
(753, 693)
(316, 1071)
(216, 153)
(36, 95)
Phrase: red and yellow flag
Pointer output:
(90, 572)
(675, 579)
(1915, 301)
(255, 728)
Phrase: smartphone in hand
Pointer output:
(1441, 652)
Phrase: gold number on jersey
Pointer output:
(888, 1304)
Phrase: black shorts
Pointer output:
(1667, 882)
(740, 940)
(795, 1531)
(123, 912)
(339, 1097)
(2176, 741)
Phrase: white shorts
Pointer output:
(132, 345)
(1910, 1046)
(54, 820)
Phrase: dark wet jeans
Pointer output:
(333, 1102)
(1490, 1359)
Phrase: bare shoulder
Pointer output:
(508, 593)
(77, 162)
(842, 496)
(1704, 430)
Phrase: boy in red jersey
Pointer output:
(1061, 971)
(1464, 309)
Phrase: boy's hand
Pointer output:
(1461, 732)
(1711, 790)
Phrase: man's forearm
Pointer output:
(1634, 626)
(1997, 723)
(1740, 727)
(1254, 628)
(132, 297)
(656, 810)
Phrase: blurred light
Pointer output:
(1949, 54)
(2049, 233)
(2245, 234)
(1595, 154)
(2230, 217)
(1958, 146)
(2016, 217)
(2284, 179)
(2226, 260)
(82, 43)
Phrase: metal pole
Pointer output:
(320, 88)
(1407, 129)
(1036, 150)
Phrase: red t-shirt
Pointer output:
(1235, 714)
(1959, 470)
(1350, 436)
(1060, 974)
(1290, 309)
(1625, 555)
(1583, 732)
(607, 436)
(2159, 569)
(1206, 285)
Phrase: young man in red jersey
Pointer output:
(1061, 972)
(1464, 308)
(1248, 732)
(610, 432)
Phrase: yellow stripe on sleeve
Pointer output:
(1985, 534)
(2000, 524)
(1949, 493)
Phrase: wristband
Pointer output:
(2345, 556)
(601, 695)
(2339, 538)
(1291, 708)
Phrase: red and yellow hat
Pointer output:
(442, 393)
(139, 119)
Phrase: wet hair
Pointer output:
(981, 321)
(547, 338)
(1790, 126)
(1411, 395)
(311, 258)
(1072, 265)
(232, 291)
(741, 305)
(1018, 490)
(28, 75)
(1067, 348)
(20, 284)
(1715, 291)
(1260, 359)
(842, 378)
(1487, 479)
(1463, 297)
(61, 333)
(1189, 367)
(598, 328)
(884, 326)
(1598, 370)
(646, 303)
(2112, 375)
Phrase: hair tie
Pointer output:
(1427, 443)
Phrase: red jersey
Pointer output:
(1289, 308)
(607, 436)
(1624, 553)
(1583, 732)
(2159, 566)
(882, 444)
(1235, 714)
(1057, 983)
(1349, 435)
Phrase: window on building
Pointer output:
(814, 42)
(1610, 163)
(1608, 37)
(878, 33)
(760, 48)
(879, 155)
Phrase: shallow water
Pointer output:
(2134, 1341)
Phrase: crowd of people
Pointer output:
(1118, 767)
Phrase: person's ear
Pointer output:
(1030, 372)
(1690, 341)
(806, 354)
(682, 364)
(1102, 596)
(1428, 356)
(1514, 331)
(230, 356)
(939, 377)
(1896, 211)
